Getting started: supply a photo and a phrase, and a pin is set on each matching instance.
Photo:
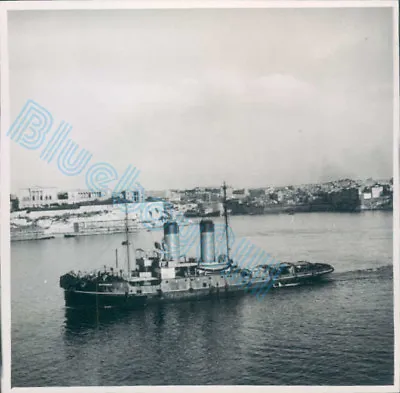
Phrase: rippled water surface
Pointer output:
(339, 333)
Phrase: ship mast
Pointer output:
(226, 221)
(127, 239)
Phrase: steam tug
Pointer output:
(166, 276)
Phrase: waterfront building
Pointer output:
(78, 196)
(37, 197)
(134, 196)
(376, 191)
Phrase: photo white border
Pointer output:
(5, 185)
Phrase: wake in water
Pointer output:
(384, 272)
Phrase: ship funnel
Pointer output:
(207, 241)
(171, 235)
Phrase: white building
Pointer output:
(134, 196)
(46, 196)
(376, 191)
(37, 197)
(367, 195)
(77, 196)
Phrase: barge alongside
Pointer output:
(165, 275)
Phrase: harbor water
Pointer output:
(338, 333)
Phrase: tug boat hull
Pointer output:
(165, 275)
(211, 286)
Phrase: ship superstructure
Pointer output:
(165, 275)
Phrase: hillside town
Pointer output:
(340, 195)
(44, 212)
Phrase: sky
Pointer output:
(197, 97)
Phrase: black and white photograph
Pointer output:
(200, 195)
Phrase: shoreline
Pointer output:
(40, 225)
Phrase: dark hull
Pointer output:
(104, 300)
(78, 299)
